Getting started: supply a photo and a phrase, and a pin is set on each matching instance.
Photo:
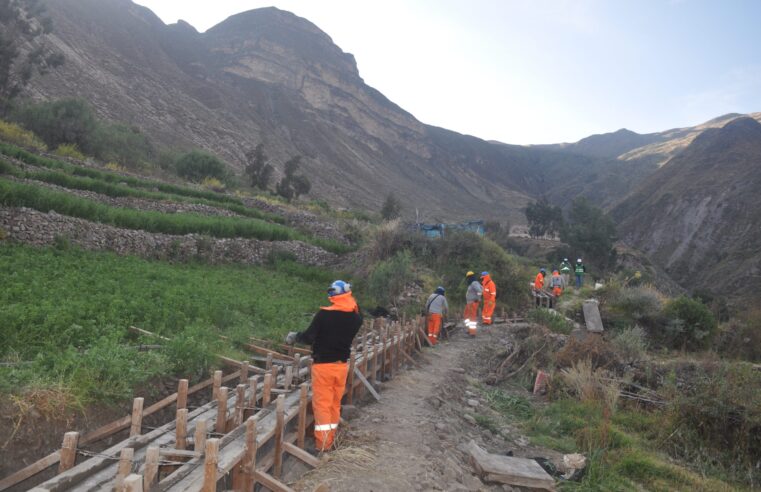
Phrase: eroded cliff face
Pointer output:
(699, 217)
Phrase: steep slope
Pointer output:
(698, 216)
(269, 76)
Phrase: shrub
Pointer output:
(68, 121)
(122, 143)
(554, 321)
(631, 344)
(593, 348)
(11, 132)
(213, 184)
(392, 208)
(191, 351)
(197, 165)
(390, 277)
(691, 325)
(69, 150)
(636, 305)
(590, 384)
(741, 337)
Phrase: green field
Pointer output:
(65, 316)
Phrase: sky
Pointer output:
(537, 71)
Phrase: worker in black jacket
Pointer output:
(331, 335)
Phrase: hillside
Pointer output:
(698, 216)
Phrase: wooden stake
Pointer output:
(268, 364)
(124, 468)
(288, 380)
(303, 396)
(210, 466)
(350, 394)
(182, 394)
(297, 369)
(68, 451)
(279, 430)
(249, 458)
(275, 372)
(181, 429)
(253, 383)
(243, 371)
(216, 385)
(374, 372)
(151, 467)
(267, 391)
(199, 439)
(137, 417)
(240, 402)
(221, 425)
(310, 361)
(383, 355)
(133, 483)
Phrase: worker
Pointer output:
(330, 334)
(565, 271)
(557, 284)
(490, 298)
(580, 271)
(472, 299)
(435, 309)
(539, 285)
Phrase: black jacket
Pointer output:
(331, 334)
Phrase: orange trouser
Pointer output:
(488, 311)
(328, 385)
(434, 328)
(471, 317)
(557, 291)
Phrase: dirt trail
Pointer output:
(411, 439)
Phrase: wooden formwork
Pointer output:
(240, 437)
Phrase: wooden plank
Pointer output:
(425, 337)
(136, 426)
(220, 425)
(178, 453)
(68, 451)
(182, 394)
(521, 472)
(210, 466)
(249, 458)
(279, 430)
(199, 438)
(31, 470)
(281, 346)
(410, 359)
(243, 371)
(367, 384)
(299, 453)
(272, 483)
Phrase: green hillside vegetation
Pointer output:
(66, 313)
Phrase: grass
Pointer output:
(555, 322)
(622, 449)
(66, 313)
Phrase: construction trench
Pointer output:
(237, 441)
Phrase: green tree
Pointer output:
(691, 324)
(392, 207)
(197, 165)
(258, 169)
(23, 46)
(543, 218)
(67, 121)
(293, 184)
(590, 233)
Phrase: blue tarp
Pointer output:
(437, 230)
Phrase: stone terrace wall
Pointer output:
(42, 229)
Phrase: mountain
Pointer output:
(698, 216)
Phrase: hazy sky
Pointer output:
(536, 71)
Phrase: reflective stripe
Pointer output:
(333, 426)
(324, 427)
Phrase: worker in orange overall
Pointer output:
(435, 309)
(331, 334)
(472, 299)
(557, 283)
(539, 283)
(490, 298)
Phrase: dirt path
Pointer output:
(411, 439)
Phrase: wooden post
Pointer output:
(365, 361)
(350, 394)
(181, 434)
(240, 401)
(221, 425)
(279, 430)
(310, 361)
(243, 371)
(68, 451)
(199, 439)
(267, 391)
(249, 458)
(133, 483)
(268, 364)
(288, 379)
(210, 466)
(383, 354)
(297, 369)
(124, 468)
(151, 467)
(303, 396)
(374, 374)
(216, 385)
(253, 384)
(275, 372)
(137, 417)
(182, 394)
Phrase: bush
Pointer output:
(636, 305)
(593, 348)
(631, 344)
(121, 143)
(741, 337)
(554, 321)
(11, 132)
(390, 277)
(69, 150)
(68, 121)
(197, 165)
(690, 326)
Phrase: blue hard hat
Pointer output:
(483, 274)
(440, 290)
(543, 270)
(339, 287)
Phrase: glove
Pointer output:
(290, 339)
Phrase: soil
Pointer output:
(413, 439)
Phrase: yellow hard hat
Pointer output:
(469, 274)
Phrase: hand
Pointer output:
(290, 339)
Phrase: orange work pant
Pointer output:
(488, 311)
(434, 327)
(328, 385)
(471, 317)
(557, 291)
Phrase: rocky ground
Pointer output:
(415, 437)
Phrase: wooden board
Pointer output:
(509, 470)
